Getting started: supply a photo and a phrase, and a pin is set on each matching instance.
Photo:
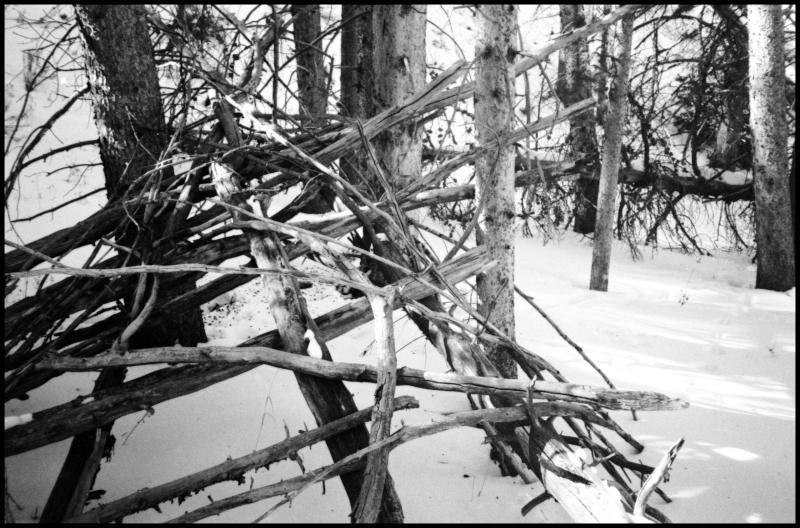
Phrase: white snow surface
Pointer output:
(689, 327)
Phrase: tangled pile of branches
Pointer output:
(88, 320)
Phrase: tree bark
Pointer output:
(792, 189)
(130, 121)
(357, 78)
(399, 72)
(125, 93)
(127, 107)
(312, 79)
(356, 75)
(173, 382)
(776, 266)
(495, 53)
(574, 85)
(614, 120)
(369, 501)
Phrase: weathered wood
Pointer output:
(220, 250)
(274, 490)
(659, 473)
(328, 400)
(333, 324)
(292, 487)
(614, 399)
(68, 419)
(232, 469)
(369, 500)
(592, 503)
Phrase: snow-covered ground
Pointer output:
(686, 326)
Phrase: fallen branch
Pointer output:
(232, 469)
(189, 268)
(90, 412)
(405, 434)
(614, 399)
(325, 473)
(564, 336)
(661, 472)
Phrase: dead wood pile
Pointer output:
(79, 323)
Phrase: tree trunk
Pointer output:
(776, 267)
(399, 71)
(792, 189)
(357, 78)
(602, 74)
(130, 123)
(127, 107)
(125, 93)
(495, 52)
(312, 79)
(612, 144)
(574, 85)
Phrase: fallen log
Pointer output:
(613, 399)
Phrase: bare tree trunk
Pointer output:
(132, 134)
(399, 71)
(574, 85)
(612, 144)
(130, 122)
(602, 74)
(312, 79)
(124, 89)
(495, 52)
(792, 188)
(776, 267)
(357, 78)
